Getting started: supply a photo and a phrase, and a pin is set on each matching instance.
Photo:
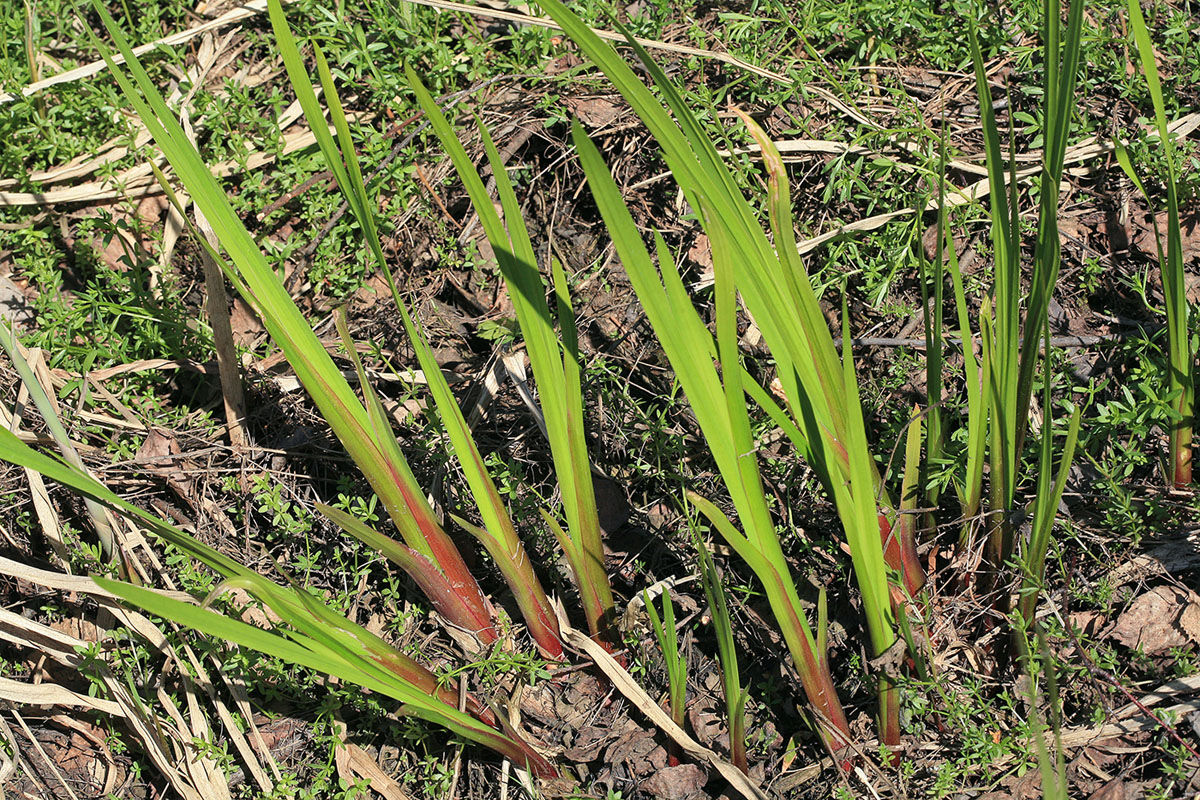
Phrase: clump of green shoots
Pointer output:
(819, 409)
(427, 553)
(363, 430)
(977, 367)
(555, 362)
(1010, 349)
(1181, 388)
(981, 392)
(731, 681)
(823, 416)
(315, 636)
(668, 641)
(498, 534)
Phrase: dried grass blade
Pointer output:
(637, 696)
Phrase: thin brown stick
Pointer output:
(1100, 674)
(436, 199)
(275, 205)
(216, 306)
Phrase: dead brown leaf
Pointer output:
(929, 241)
(1113, 790)
(588, 744)
(559, 65)
(1071, 229)
(78, 627)
(159, 444)
(1087, 622)
(593, 112)
(1142, 233)
(151, 207)
(707, 723)
(1162, 618)
(538, 703)
(245, 323)
(676, 783)
(701, 252)
(14, 306)
(639, 751)
(373, 291)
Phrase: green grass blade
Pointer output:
(498, 534)
(859, 490)
(1058, 107)
(422, 530)
(298, 77)
(283, 601)
(1050, 492)
(933, 307)
(1180, 381)
(905, 530)
(668, 641)
(977, 374)
(1005, 349)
